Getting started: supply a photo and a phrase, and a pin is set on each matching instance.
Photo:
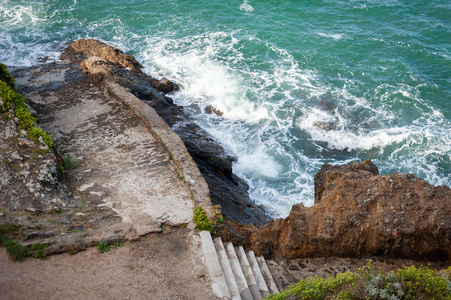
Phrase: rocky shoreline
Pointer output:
(44, 202)
(357, 212)
(226, 189)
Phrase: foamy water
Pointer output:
(299, 85)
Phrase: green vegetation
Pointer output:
(105, 247)
(68, 163)
(14, 249)
(57, 211)
(179, 176)
(7, 77)
(6, 229)
(39, 250)
(367, 283)
(12, 99)
(202, 221)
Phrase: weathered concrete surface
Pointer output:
(186, 168)
(103, 63)
(121, 163)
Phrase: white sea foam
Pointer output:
(282, 121)
(261, 108)
(336, 36)
(246, 7)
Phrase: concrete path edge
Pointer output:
(185, 165)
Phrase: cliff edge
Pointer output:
(359, 213)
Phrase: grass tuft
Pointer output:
(202, 221)
(105, 247)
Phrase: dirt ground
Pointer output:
(160, 266)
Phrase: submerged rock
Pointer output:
(358, 213)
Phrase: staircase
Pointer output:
(235, 274)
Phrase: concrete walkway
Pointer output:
(121, 164)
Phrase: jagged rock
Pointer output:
(101, 60)
(163, 85)
(28, 170)
(322, 125)
(359, 213)
(330, 171)
(212, 110)
(98, 68)
(85, 48)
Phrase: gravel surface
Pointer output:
(160, 266)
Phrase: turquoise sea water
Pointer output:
(300, 83)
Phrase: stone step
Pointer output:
(241, 281)
(235, 274)
(227, 269)
(264, 291)
(247, 270)
(267, 275)
(218, 281)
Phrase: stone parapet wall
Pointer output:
(186, 167)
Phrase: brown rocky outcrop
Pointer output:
(85, 48)
(358, 213)
(100, 60)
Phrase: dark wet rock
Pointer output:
(214, 162)
(323, 125)
(163, 85)
(212, 110)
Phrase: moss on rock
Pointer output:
(10, 99)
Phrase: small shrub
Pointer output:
(104, 247)
(39, 250)
(7, 77)
(6, 228)
(202, 221)
(68, 163)
(367, 283)
(16, 251)
(57, 211)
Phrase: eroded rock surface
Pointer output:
(28, 171)
(358, 214)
